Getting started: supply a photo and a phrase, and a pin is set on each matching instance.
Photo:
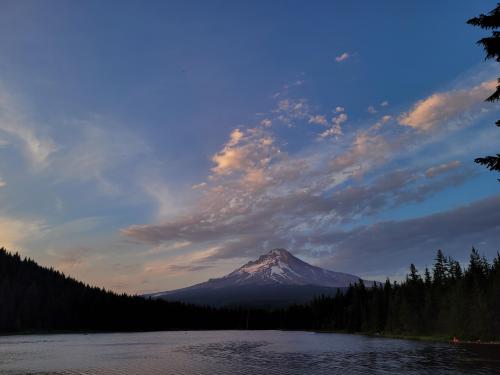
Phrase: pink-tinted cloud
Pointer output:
(438, 108)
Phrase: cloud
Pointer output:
(318, 119)
(73, 256)
(290, 110)
(266, 122)
(344, 56)
(442, 168)
(16, 230)
(438, 108)
(371, 109)
(176, 268)
(201, 185)
(242, 224)
(247, 152)
(383, 120)
(2, 183)
(259, 196)
(235, 137)
(20, 131)
(96, 150)
(414, 240)
(181, 264)
(167, 248)
(339, 109)
(367, 150)
(385, 103)
(162, 196)
(335, 129)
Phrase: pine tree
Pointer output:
(440, 268)
(491, 46)
(414, 276)
(478, 266)
(454, 269)
(427, 277)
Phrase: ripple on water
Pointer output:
(235, 352)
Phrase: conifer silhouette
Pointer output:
(491, 45)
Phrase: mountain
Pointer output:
(275, 279)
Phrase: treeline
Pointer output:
(446, 301)
(39, 299)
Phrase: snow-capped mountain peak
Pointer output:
(279, 266)
(276, 261)
(276, 269)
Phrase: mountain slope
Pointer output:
(276, 278)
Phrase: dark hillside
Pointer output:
(35, 298)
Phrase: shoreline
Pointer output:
(435, 339)
(441, 339)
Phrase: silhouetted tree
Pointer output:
(440, 268)
(427, 277)
(491, 46)
(414, 276)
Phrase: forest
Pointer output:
(444, 302)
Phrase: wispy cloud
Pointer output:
(96, 152)
(342, 57)
(21, 132)
(442, 168)
(16, 230)
(162, 197)
(73, 256)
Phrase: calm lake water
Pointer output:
(236, 352)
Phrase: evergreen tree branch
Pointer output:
(490, 162)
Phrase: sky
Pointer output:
(148, 146)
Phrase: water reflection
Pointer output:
(243, 352)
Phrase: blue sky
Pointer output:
(148, 146)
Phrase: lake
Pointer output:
(237, 352)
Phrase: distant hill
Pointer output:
(275, 279)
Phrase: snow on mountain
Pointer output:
(279, 266)
(276, 268)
